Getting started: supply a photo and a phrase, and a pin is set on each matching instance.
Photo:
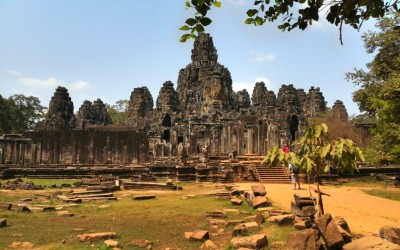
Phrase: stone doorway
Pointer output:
(294, 126)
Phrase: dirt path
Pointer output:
(364, 213)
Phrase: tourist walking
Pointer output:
(294, 175)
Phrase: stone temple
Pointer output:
(201, 128)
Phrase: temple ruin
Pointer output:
(201, 129)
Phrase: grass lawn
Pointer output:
(162, 221)
(389, 193)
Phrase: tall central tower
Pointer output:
(205, 85)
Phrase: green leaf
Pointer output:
(205, 21)
(259, 21)
(252, 12)
(187, 4)
(184, 27)
(324, 151)
(217, 4)
(191, 21)
(249, 21)
(184, 38)
(199, 28)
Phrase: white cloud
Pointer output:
(48, 83)
(79, 85)
(51, 83)
(238, 86)
(13, 72)
(257, 57)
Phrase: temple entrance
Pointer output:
(294, 126)
(166, 121)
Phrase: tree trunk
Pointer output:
(320, 203)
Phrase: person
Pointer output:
(294, 174)
(285, 149)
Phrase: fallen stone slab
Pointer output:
(3, 222)
(302, 240)
(96, 236)
(199, 235)
(286, 219)
(302, 201)
(5, 206)
(230, 210)
(341, 222)
(143, 197)
(306, 211)
(111, 243)
(208, 244)
(84, 196)
(235, 193)
(391, 234)
(264, 209)
(329, 231)
(45, 207)
(371, 242)
(65, 198)
(217, 222)
(259, 190)
(25, 209)
(258, 241)
(345, 235)
(64, 214)
(239, 230)
(251, 225)
(141, 243)
(98, 199)
(236, 201)
(44, 196)
(21, 245)
(259, 219)
(259, 201)
(276, 212)
(233, 222)
(216, 214)
(223, 195)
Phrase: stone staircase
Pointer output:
(272, 174)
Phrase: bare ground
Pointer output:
(364, 213)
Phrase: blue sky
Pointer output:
(104, 49)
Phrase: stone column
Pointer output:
(250, 140)
(15, 154)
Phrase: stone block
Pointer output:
(3, 222)
(391, 234)
(96, 236)
(208, 244)
(257, 241)
(258, 190)
(286, 219)
(236, 201)
(259, 201)
(141, 243)
(371, 242)
(199, 235)
(329, 231)
(302, 240)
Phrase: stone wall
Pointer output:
(90, 146)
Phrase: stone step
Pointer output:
(272, 175)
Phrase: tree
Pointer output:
(316, 153)
(119, 111)
(379, 93)
(19, 113)
(294, 14)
